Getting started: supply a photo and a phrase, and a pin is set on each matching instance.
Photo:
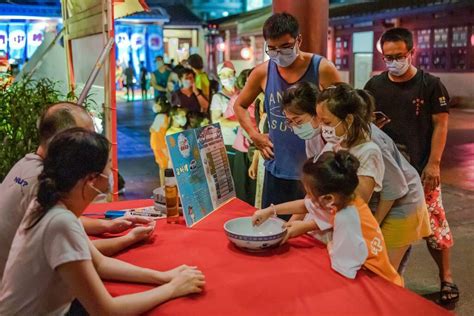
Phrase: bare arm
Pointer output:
(111, 246)
(86, 285)
(431, 174)
(328, 74)
(95, 226)
(365, 188)
(293, 207)
(249, 93)
(382, 210)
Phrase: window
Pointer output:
(459, 36)
(441, 38)
(423, 38)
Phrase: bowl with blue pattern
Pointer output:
(244, 235)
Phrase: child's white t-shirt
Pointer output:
(31, 284)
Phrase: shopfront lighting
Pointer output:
(246, 53)
(221, 46)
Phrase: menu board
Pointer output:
(202, 170)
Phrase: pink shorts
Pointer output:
(441, 237)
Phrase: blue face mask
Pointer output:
(285, 60)
(305, 131)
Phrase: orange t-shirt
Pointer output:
(356, 240)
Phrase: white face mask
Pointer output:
(285, 60)
(187, 84)
(329, 134)
(398, 68)
(180, 120)
(110, 178)
(228, 83)
(305, 131)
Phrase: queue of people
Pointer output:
(304, 145)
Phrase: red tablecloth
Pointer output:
(295, 279)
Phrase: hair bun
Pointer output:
(346, 162)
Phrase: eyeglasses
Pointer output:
(399, 58)
(273, 52)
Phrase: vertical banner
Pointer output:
(138, 46)
(35, 36)
(17, 41)
(122, 41)
(155, 45)
(3, 38)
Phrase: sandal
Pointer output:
(449, 293)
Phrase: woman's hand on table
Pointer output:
(141, 233)
(168, 276)
(260, 216)
(188, 281)
(121, 224)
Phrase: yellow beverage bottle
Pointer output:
(171, 195)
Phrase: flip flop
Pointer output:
(449, 293)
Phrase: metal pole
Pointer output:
(95, 71)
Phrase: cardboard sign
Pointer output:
(202, 171)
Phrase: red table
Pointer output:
(295, 279)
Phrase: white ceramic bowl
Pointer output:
(244, 235)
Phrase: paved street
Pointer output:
(137, 166)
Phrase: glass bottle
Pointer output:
(171, 195)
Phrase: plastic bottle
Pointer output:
(171, 194)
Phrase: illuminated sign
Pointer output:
(137, 40)
(122, 40)
(155, 42)
(17, 39)
(3, 40)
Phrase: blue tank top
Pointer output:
(289, 149)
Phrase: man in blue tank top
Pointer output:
(283, 151)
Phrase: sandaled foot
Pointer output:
(449, 293)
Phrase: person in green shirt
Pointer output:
(202, 80)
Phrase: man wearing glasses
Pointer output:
(415, 108)
(283, 151)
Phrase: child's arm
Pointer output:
(293, 207)
(111, 246)
(297, 228)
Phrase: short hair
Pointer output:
(196, 61)
(55, 118)
(280, 24)
(159, 57)
(186, 71)
(301, 98)
(398, 34)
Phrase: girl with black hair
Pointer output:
(52, 261)
(332, 203)
(399, 207)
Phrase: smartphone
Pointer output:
(380, 115)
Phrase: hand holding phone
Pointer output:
(381, 119)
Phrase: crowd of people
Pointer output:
(301, 144)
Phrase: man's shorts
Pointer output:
(442, 237)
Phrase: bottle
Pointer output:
(171, 195)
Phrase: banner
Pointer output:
(122, 40)
(17, 41)
(35, 37)
(154, 44)
(3, 37)
(202, 171)
(138, 46)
